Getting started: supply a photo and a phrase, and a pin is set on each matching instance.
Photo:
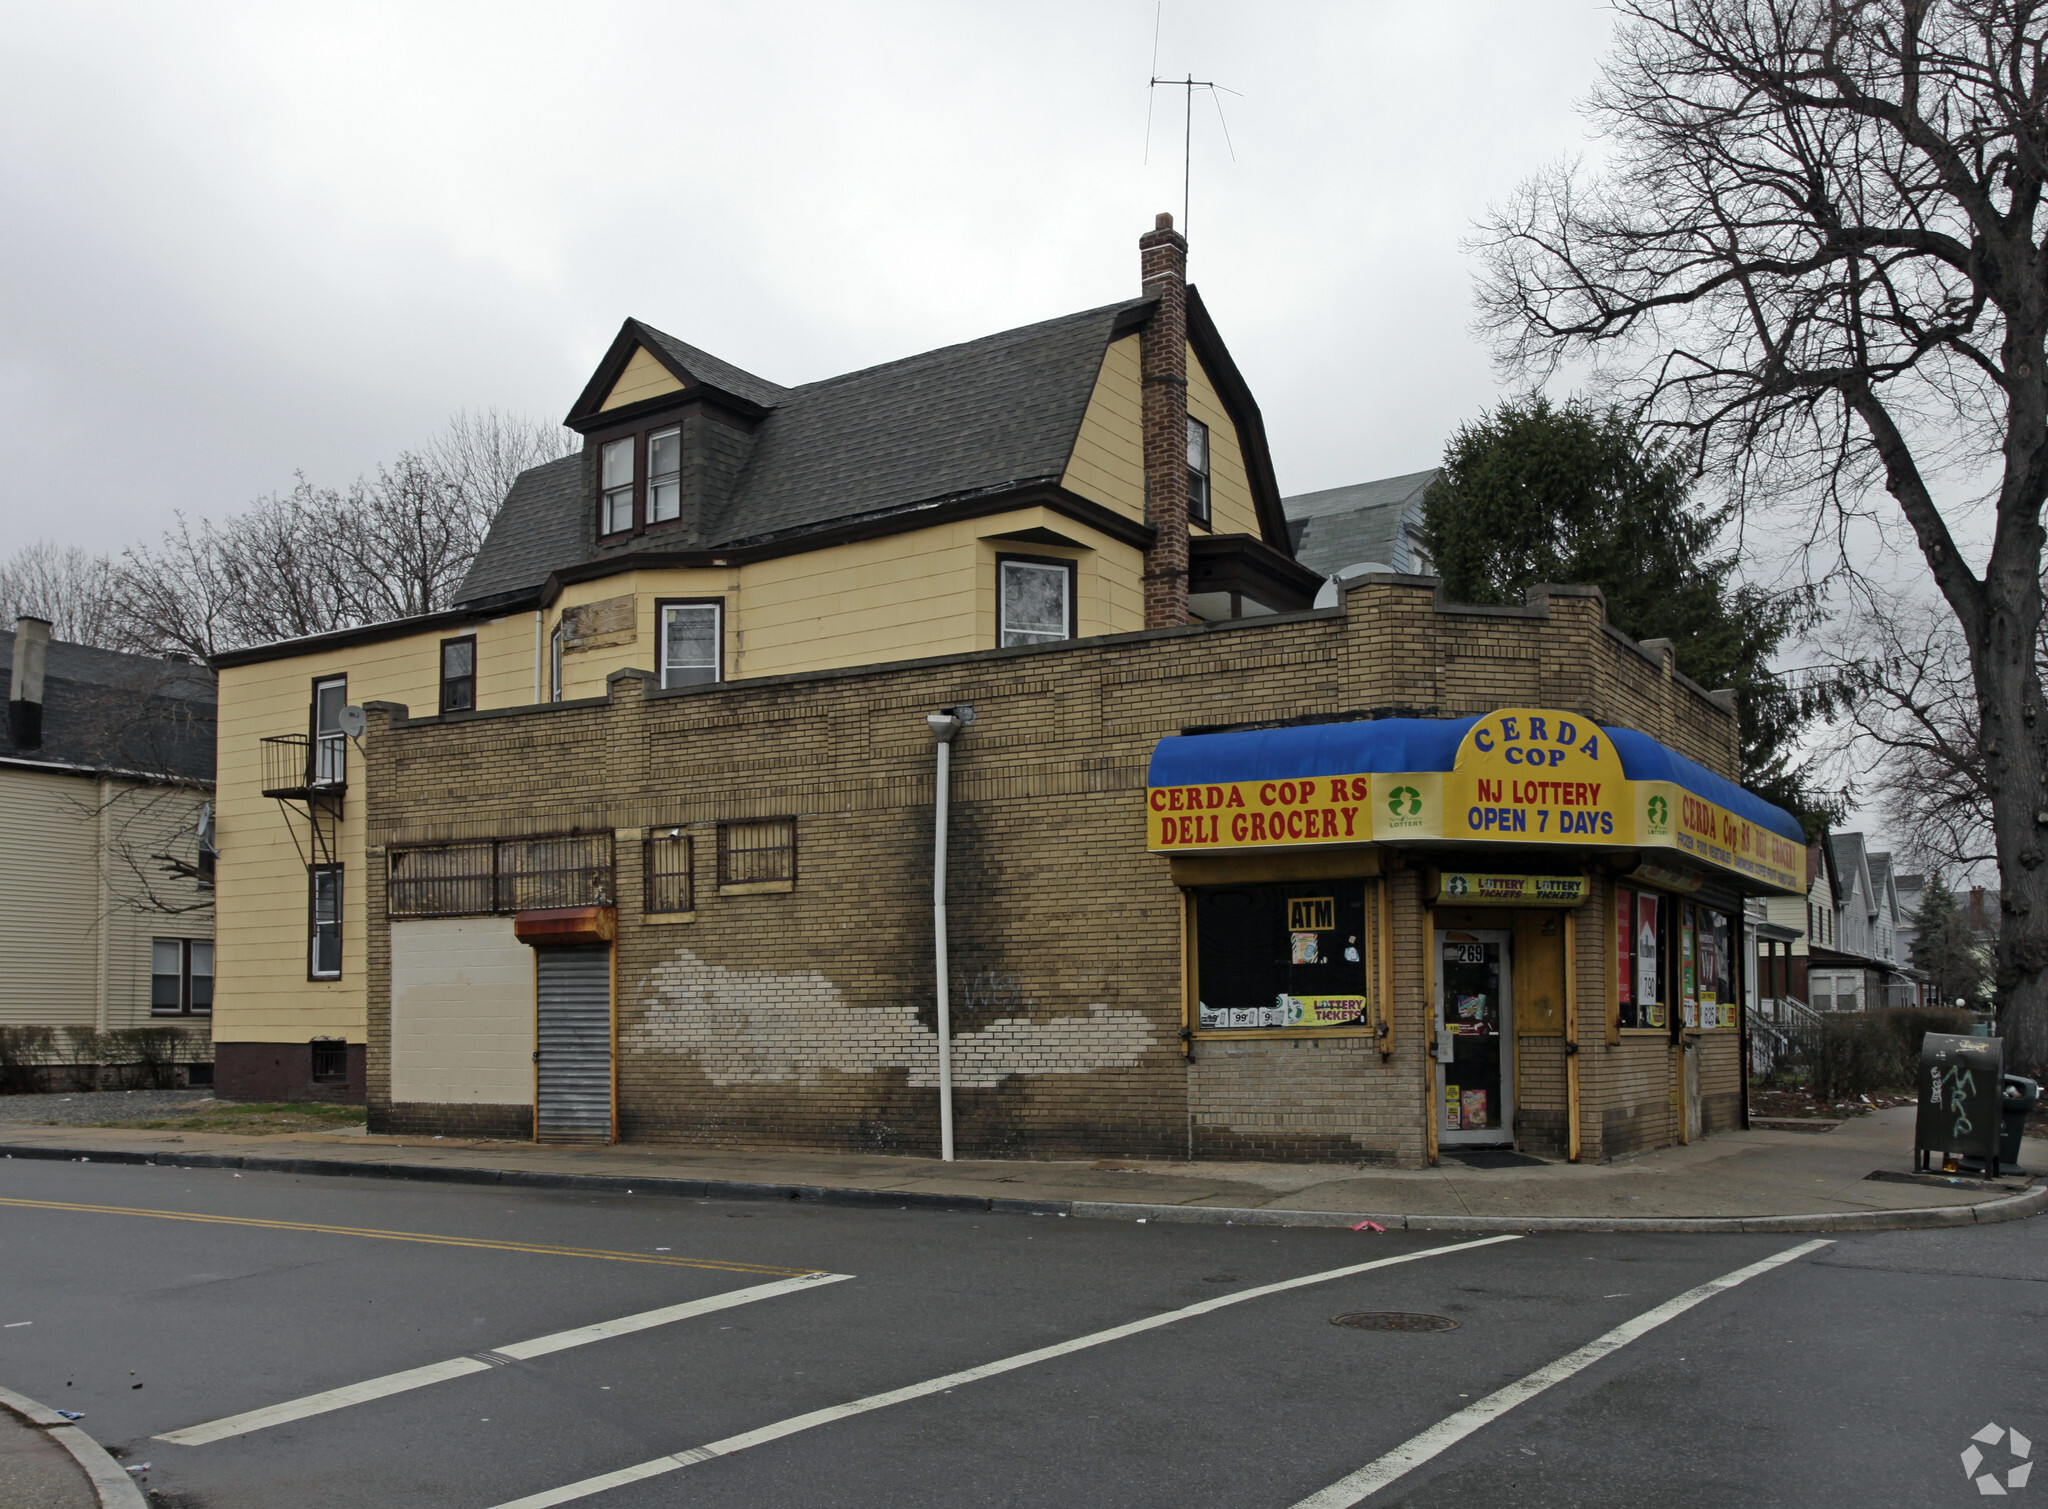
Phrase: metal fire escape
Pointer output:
(308, 777)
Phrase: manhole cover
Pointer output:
(1393, 1320)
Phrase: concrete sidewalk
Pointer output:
(1755, 1180)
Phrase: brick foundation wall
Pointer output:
(284, 1071)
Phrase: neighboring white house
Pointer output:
(106, 915)
(1367, 521)
(1864, 965)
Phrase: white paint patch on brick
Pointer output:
(757, 1026)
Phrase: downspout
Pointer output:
(945, 726)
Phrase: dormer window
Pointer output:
(664, 475)
(616, 480)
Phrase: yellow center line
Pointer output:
(540, 1248)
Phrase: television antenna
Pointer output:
(1190, 84)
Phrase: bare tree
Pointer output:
(1816, 252)
(315, 559)
(70, 587)
(483, 453)
(1908, 736)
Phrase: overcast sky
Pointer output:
(243, 241)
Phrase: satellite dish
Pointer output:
(1333, 592)
(204, 828)
(353, 722)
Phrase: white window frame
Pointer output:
(1200, 499)
(555, 663)
(185, 954)
(330, 744)
(315, 923)
(717, 666)
(1008, 637)
(658, 481)
(614, 494)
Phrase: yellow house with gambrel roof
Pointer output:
(1097, 474)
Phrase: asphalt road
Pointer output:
(1853, 1374)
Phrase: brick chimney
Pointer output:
(25, 689)
(1163, 355)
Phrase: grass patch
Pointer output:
(255, 1120)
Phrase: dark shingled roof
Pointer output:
(1344, 526)
(707, 368)
(988, 414)
(538, 527)
(107, 711)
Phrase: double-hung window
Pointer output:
(323, 927)
(690, 643)
(180, 977)
(1198, 473)
(1036, 600)
(330, 744)
(615, 466)
(458, 674)
(664, 475)
(555, 665)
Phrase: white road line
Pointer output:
(796, 1423)
(1411, 1454)
(457, 1367)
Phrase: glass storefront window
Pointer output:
(1639, 923)
(1282, 956)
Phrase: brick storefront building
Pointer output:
(750, 866)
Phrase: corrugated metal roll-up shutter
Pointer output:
(575, 1077)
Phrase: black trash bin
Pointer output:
(2014, 1106)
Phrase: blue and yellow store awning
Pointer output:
(1520, 776)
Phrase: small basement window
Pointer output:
(668, 870)
(758, 852)
(329, 1060)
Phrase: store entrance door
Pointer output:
(1475, 1040)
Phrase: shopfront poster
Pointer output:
(1646, 950)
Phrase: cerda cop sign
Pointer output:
(1521, 776)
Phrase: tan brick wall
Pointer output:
(805, 1018)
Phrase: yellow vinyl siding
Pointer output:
(927, 592)
(261, 993)
(505, 661)
(1230, 491)
(644, 377)
(1108, 463)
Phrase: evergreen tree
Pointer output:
(1535, 492)
(1957, 962)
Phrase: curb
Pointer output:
(111, 1485)
(2014, 1207)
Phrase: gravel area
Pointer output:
(85, 1108)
